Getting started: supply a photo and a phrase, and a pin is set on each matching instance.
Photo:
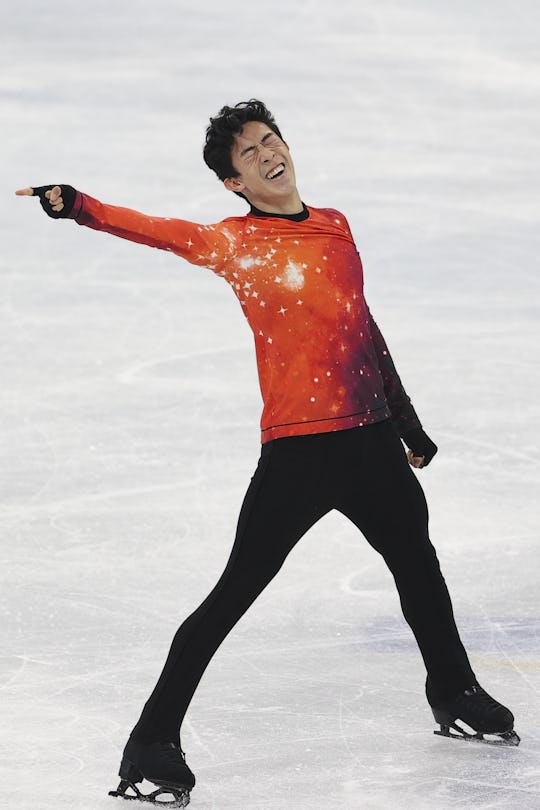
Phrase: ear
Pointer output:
(234, 184)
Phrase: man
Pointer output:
(334, 412)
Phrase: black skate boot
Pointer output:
(164, 764)
(478, 710)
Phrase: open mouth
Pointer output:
(277, 171)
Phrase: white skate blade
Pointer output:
(508, 738)
(179, 796)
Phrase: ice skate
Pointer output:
(490, 722)
(164, 764)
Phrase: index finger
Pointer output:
(25, 192)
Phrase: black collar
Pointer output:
(299, 217)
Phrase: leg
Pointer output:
(387, 504)
(281, 504)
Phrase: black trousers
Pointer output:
(363, 473)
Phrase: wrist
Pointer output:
(420, 444)
(77, 206)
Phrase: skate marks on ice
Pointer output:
(497, 453)
(181, 366)
(334, 725)
(316, 722)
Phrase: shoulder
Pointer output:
(227, 229)
(231, 225)
(330, 217)
(329, 214)
(232, 222)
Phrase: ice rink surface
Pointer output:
(130, 404)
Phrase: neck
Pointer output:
(288, 205)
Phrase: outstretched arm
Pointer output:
(404, 417)
(204, 245)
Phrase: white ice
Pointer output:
(130, 405)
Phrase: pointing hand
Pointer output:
(56, 201)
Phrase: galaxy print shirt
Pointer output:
(323, 364)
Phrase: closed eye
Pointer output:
(270, 139)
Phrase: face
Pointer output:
(266, 172)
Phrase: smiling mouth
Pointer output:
(276, 172)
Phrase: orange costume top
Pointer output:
(323, 364)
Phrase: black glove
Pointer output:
(68, 198)
(421, 445)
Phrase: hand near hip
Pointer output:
(421, 448)
(415, 461)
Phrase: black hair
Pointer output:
(222, 129)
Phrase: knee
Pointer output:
(416, 554)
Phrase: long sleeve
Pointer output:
(204, 245)
(404, 417)
(323, 364)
